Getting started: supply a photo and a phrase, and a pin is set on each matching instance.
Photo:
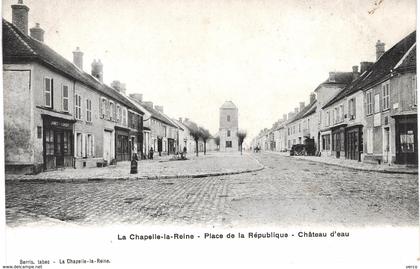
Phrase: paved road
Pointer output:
(287, 192)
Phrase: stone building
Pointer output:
(228, 127)
(55, 114)
(160, 133)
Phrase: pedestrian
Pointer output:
(184, 153)
(151, 153)
(134, 160)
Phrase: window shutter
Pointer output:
(52, 93)
(93, 146)
(100, 108)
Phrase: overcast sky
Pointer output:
(190, 56)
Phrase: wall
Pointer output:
(18, 146)
(231, 125)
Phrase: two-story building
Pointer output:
(390, 94)
(55, 114)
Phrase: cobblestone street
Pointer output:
(287, 192)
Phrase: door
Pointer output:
(58, 148)
(107, 146)
(386, 150)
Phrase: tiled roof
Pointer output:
(409, 61)
(382, 68)
(19, 47)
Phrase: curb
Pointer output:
(359, 168)
(86, 180)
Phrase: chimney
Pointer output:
(380, 49)
(331, 77)
(148, 104)
(364, 66)
(37, 33)
(78, 58)
(301, 106)
(312, 98)
(137, 96)
(159, 108)
(118, 86)
(20, 16)
(180, 120)
(355, 72)
(296, 110)
(284, 117)
(98, 70)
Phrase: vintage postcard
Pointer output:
(209, 134)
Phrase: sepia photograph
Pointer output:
(194, 133)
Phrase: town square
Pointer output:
(83, 149)
(209, 134)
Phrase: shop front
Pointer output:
(406, 139)
(338, 142)
(57, 142)
(354, 142)
(123, 145)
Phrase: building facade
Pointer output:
(228, 127)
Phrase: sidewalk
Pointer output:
(212, 164)
(352, 164)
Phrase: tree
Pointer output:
(195, 132)
(217, 141)
(241, 137)
(205, 135)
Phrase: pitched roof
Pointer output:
(383, 67)
(228, 105)
(19, 47)
(305, 112)
(153, 112)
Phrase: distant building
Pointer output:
(228, 127)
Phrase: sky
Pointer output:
(190, 56)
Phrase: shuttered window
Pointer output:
(65, 98)
(48, 92)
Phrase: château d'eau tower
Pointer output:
(228, 127)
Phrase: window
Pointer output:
(414, 87)
(352, 109)
(111, 111)
(78, 107)
(228, 117)
(369, 103)
(67, 143)
(335, 115)
(88, 110)
(407, 142)
(385, 96)
(228, 144)
(103, 107)
(118, 113)
(48, 92)
(49, 142)
(89, 145)
(341, 113)
(65, 98)
(164, 131)
(228, 133)
(124, 116)
(300, 128)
